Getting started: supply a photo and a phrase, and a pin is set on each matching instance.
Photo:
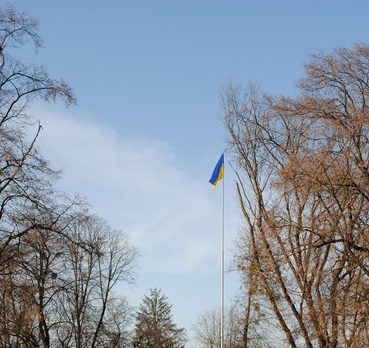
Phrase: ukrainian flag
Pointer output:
(218, 172)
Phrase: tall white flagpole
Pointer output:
(218, 173)
(222, 273)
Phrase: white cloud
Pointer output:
(140, 187)
(137, 186)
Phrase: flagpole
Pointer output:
(222, 274)
(218, 174)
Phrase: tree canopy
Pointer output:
(59, 263)
(302, 182)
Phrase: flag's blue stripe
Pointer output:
(216, 172)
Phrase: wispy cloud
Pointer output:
(137, 185)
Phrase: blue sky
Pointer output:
(147, 131)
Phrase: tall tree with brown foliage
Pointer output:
(302, 169)
(56, 285)
(27, 198)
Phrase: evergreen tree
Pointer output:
(154, 325)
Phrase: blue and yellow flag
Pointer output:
(218, 172)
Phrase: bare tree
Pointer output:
(207, 327)
(97, 260)
(60, 291)
(59, 264)
(25, 177)
(26, 180)
(302, 168)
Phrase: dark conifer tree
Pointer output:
(154, 324)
